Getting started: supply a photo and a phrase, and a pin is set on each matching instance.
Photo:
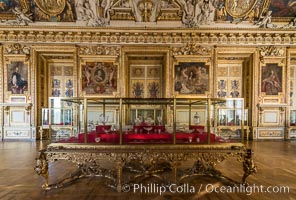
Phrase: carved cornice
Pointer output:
(75, 35)
(99, 50)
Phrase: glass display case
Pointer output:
(141, 121)
(232, 118)
(45, 118)
(293, 118)
(61, 118)
(292, 127)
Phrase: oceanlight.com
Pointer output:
(155, 188)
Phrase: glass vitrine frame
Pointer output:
(124, 106)
(231, 118)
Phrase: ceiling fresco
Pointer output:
(192, 13)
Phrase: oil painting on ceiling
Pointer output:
(283, 8)
(6, 7)
(100, 12)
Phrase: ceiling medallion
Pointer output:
(239, 8)
(51, 7)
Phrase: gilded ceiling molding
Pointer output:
(99, 50)
(149, 36)
(191, 49)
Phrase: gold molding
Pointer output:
(123, 36)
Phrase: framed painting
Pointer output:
(7, 6)
(99, 78)
(17, 77)
(191, 78)
(271, 79)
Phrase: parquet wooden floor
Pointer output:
(276, 162)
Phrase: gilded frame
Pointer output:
(99, 77)
(192, 77)
(11, 62)
(272, 71)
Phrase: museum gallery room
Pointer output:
(148, 99)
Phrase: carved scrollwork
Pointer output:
(191, 49)
(41, 168)
(142, 162)
(270, 51)
(100, 50)
(248, 165)
(17, 49)
(28, 107)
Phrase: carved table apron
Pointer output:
(144, 160)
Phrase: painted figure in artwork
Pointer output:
(191, 78)
(271, 85)
(18, 83)
(6, 5)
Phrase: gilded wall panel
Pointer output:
(235, 71)
(145, 80)
(222, 71)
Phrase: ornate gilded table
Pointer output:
(143, 160)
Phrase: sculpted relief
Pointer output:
(93, 12)
(198, 12)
